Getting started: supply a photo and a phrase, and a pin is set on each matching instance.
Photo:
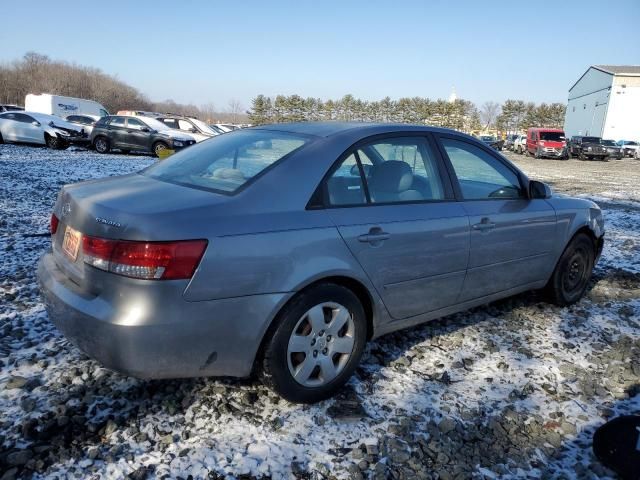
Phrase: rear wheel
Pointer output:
(159, 147)
(316, 345)
(102, 145)
(573, 271)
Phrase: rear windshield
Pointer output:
(226, 162)
(552, 136)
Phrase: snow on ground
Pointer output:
(510, 390)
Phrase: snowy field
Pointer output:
(514, 389)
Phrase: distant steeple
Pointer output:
(453, 97)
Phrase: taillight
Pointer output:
(53, 225)
(146, 260)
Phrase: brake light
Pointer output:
(145, 260)
(53, 225)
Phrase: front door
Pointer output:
(395, 211)
(137, 134)
(117, 132)
(512, 236)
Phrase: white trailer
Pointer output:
(62, 106)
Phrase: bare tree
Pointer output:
(208, 111)
(489, 113)
(235, 109)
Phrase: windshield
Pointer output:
(552, 136)
(226, 162)
(590, 139)
(203, 126)
(153, 123)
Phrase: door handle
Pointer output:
(375, 236)
(484, 225)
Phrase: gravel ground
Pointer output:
(514, 389)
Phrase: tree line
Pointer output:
(511, 116)
(36, 73)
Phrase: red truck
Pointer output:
(547, 142)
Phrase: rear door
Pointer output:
(10, 127)
(512, 236)
(395, 210)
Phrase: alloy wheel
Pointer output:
(321, 344)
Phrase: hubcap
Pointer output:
(321, 344)
(160, 147)
(101, 145)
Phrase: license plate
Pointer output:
(71, 243)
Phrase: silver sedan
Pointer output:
(283, 249)
(39, 128)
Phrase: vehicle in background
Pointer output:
(491, 141)
(508, 143)
(226, 127)
(237, 256)
(63, 106)
(613, 149)
(39, 128)
(520, 144)
(87, 122)
(128, 133)
(547, 142)
(215, 128)
(587, 147)
(194, 127)
(136, 113)
(11, 108)
(629, 147)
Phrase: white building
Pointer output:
(605, 102)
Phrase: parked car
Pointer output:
(613, 149)
(491, 141)
(136, 133)
(194, 127)
(546, 142)
(62, 106)
(587, 147)
(87, 122)
(629, 147)
(38, 128)
(11, 108)
(508, 143)
(217, 129)
(520, 144)
(284, 248)
(225, 127)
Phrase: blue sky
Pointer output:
(205, 51)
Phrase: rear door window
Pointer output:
(117, 122)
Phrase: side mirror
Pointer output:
(539, 190)
(35, 123)
(145, 129)
(193, 130)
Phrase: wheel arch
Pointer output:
(354, 285)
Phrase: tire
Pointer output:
(314, 354)
(102, 144)
(126, 152)
(55, 143)
(537, 154)
(573, 271)
(158, 147)
(1, 139)
(581, 156)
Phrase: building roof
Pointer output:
(633, 70)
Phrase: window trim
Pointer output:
(522, 179)
(320, 198)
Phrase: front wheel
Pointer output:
(159, 147)
(102, 145)
(317, 343)
(573, 271)
(55, 143)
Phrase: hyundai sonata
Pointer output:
(282, 249)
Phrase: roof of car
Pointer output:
(326, 129)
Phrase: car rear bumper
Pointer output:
(207, 338)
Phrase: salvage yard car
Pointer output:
(629, 147)
(194, 127)
(38, 128)
(613, 149)
(137, 133)
(587, 148)
(492, 141)
(283, 249)
(546, 142)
